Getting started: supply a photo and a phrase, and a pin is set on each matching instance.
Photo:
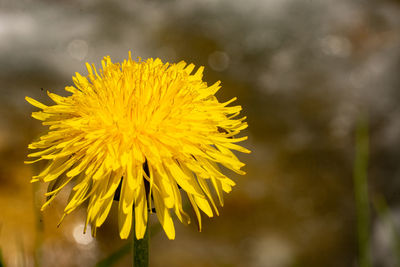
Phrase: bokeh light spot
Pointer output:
(78, 49)
(218, 61)
(80, 237)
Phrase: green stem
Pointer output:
(140, 247)
(37, 256)
(361, 192)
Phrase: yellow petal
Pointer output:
(35, 103)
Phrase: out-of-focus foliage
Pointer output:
(361, 192)
(1, 259)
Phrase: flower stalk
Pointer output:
(140, 248)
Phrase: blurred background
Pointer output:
(305, 71)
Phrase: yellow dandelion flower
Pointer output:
(146, 130)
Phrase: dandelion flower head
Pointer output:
(150, 131)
